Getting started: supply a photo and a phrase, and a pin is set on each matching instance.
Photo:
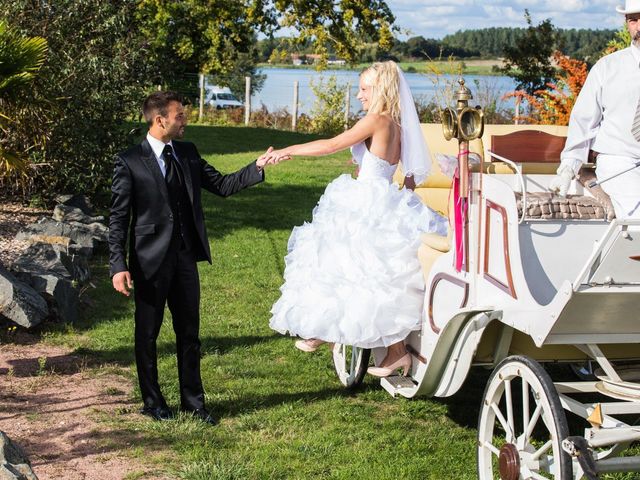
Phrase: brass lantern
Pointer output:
(465, 123)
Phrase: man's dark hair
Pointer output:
(158, 103)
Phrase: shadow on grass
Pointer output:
(464, 406)
(266, 207)
(124, 355)
(251, 402)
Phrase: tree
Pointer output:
(553, 105)
(529, 61)
(105, 56)
(209, 35)
(621, 40)
(94, 79)
(21, 58)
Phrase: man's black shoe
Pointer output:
(202, 415)
(158, 413)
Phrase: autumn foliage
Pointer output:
(553, 105)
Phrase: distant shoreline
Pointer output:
(469, 67)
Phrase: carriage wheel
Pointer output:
(521, 425)
(350, 363)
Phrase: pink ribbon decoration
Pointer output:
(460, 215)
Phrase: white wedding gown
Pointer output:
(352, 275)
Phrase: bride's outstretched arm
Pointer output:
(356, 134)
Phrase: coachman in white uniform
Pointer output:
(606, 119)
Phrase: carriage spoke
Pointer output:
(538, 453)
(354, 361)
(509, 401)
(492, 448)
(537, 476)
(503, 422)
(525, 404)
(532, 422)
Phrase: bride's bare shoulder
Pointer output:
(381, 120)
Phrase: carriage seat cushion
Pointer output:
(546, 205)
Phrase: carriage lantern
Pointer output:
(464, 123)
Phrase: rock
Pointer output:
(19, 302)
(47, 227)
(53, 259)
(60, 293)
(65, 213)
(52, 271)
(53, 240)
(78, 201)
(98, 231)
(14, 464)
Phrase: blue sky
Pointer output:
(437, 18)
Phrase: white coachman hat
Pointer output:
(630, 6)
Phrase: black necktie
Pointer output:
(172, 177)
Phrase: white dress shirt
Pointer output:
(158, 146)
(603, 114)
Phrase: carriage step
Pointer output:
(397, 384)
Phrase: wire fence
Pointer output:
(287, 97)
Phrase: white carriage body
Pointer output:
(539, 287)
(553, 290)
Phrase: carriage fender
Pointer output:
(454, 351)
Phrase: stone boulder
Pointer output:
(53, 272)
(65, 213)
(77, 201)
(54, 259)
(83, 235)
(14, 465)
(19, 302)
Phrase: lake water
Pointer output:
(277, 91)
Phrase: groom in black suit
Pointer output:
(156, 205)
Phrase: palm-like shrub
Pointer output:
(20, 59)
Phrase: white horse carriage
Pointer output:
(525, 279)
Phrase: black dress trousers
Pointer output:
(177, 284)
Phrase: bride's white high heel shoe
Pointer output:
(403, 362)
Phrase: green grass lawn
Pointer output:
(283, 413)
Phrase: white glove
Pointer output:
(562, 181)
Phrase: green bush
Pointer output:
(94, 79)
(21, 58)
(327, 112)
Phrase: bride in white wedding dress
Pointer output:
(352, 275)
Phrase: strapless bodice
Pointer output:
(371, 166)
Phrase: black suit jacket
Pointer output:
(140, 205)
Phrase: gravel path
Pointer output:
(60, 412)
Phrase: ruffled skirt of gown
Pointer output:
(352, 275)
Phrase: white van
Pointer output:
(221, 97)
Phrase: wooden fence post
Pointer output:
(201, 103)
(347, 106)
(294, 109)
(247, 100)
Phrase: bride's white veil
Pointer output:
(415, 155)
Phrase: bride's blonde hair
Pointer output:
(382, 78)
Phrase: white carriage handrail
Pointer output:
(520, 177)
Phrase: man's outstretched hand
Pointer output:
(263, 160)
(272, 157)
(122, 283)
